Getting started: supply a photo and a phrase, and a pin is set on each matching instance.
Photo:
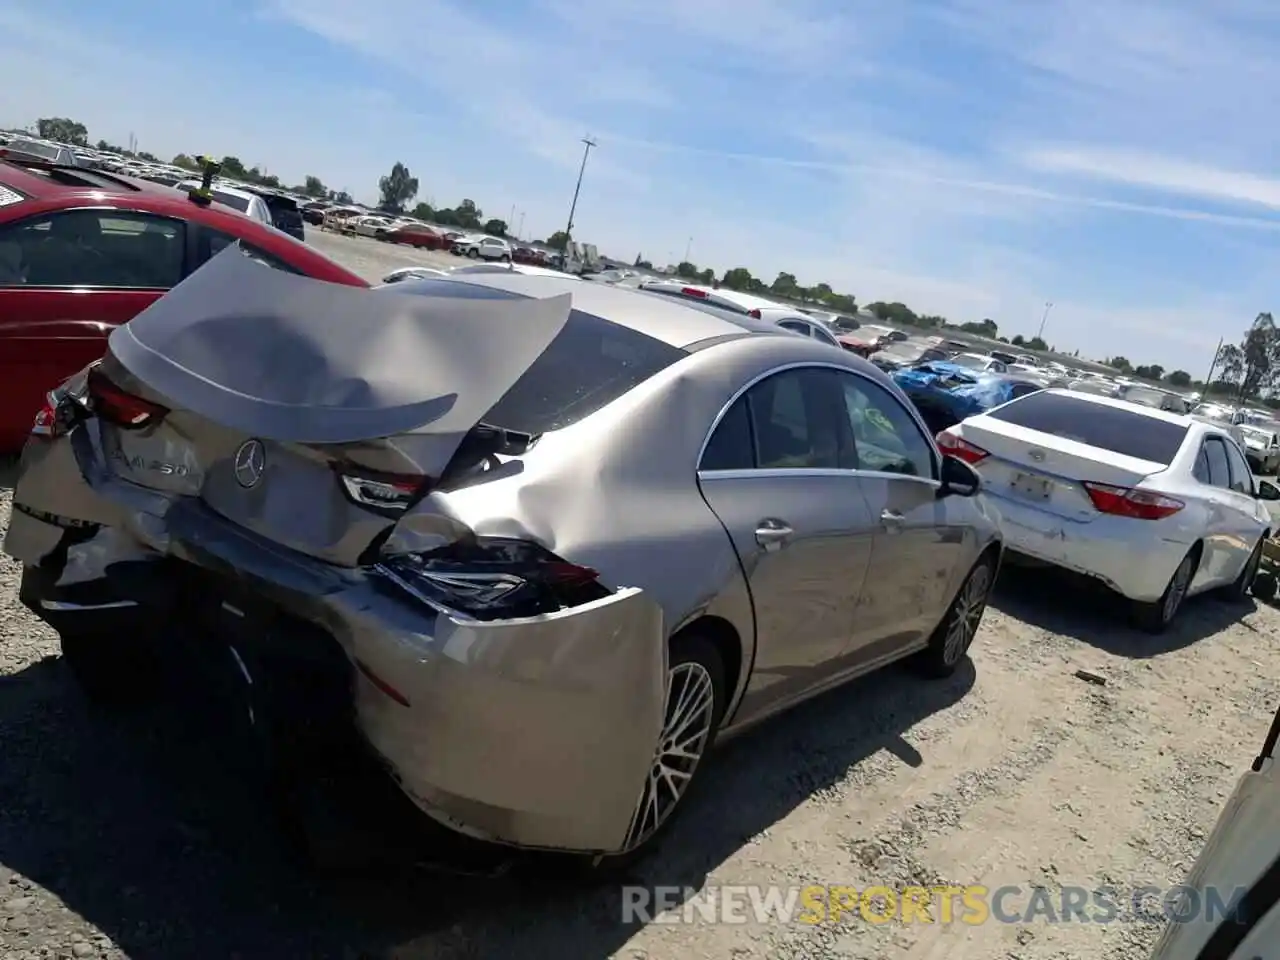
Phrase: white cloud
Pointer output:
(968, 157)
(1158, 173)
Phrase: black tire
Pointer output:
(1155, 618)
(689, 648)
(505, 259)
(473, 254)
(947, 647)
(111, 669)
(1264, 587)
(1238, 591)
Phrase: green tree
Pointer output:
(785, 285)
(1253, 366)
(423, 211)
(686, 270)
(987, 328)
(496, 228)
(185, 162)
(1178, 378)
(1035, 343)
(313, 186)
(893, 313)
(1151, 371)
(641, 263)
(341, 197)
(740, 278)
(558, 240)
(1120, 363)
(706, 276)
(63, 130)
(396, 189)
(234, 168)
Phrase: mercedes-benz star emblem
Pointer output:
(250, 463)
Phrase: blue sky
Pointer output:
(968, 157)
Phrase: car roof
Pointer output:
(668, 319)
(40, 182)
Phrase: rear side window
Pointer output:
(1129, 433)
(212, 242)
(231, 200)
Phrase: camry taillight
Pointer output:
(118, 406)
(1128, 502)
(490, 578)
(384, 492)
(953, 445)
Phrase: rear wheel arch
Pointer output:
(728, 643)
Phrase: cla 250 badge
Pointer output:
(152, 466)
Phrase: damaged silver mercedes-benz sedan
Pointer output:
(549, 539)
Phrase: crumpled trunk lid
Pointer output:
(276, 387)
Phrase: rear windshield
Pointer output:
(1130, 433)
(31, 148)
(591, 363)
(231, 200)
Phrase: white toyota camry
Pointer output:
(1158, 506)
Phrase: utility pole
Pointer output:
(573, 207)
(1213, 365)
(520, 232)
(1043, 318)
(688, 249)
(511, 219)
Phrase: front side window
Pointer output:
(103, 248)
(887, 438)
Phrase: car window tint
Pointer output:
(93, 248)
(1241, 475)
(730, 447)
(1216, 456)
(231, 200)
(886, 436)
(794, 416)
(1201, 470)
(1129, 431)
(213, 242)
(795, 326)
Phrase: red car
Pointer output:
(416, 235)
(83, 251)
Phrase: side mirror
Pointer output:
(1268, 490)
(961, 480)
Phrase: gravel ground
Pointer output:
(132, 837)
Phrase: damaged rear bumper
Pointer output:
(536, 732)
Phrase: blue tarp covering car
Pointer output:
(946, 393)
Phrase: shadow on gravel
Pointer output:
(139, 824)
(1077, 607)
(8, 472)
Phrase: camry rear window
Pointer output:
(591, 363)
(240, 203)
(1130, 433)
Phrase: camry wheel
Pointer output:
(694, 704)
(954, 635)
(1155, 617)
(1238, 590)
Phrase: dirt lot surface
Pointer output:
(131, 836)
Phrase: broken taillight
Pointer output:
(953, 445)
(385, 492)
(118, 406)
(48, 421)
(490, 578)
(1128, 502)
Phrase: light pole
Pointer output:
(573, 207)
(1043, 318)
(520, 232)
(688, 249)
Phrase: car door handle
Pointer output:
(772, 534)
(892, 519)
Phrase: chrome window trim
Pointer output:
(912, 413)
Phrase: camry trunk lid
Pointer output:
(1044, 448)
(307, 412)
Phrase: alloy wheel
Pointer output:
(1177, 590)
(686, 730)
(966, 613)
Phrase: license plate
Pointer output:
(1031, 487)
